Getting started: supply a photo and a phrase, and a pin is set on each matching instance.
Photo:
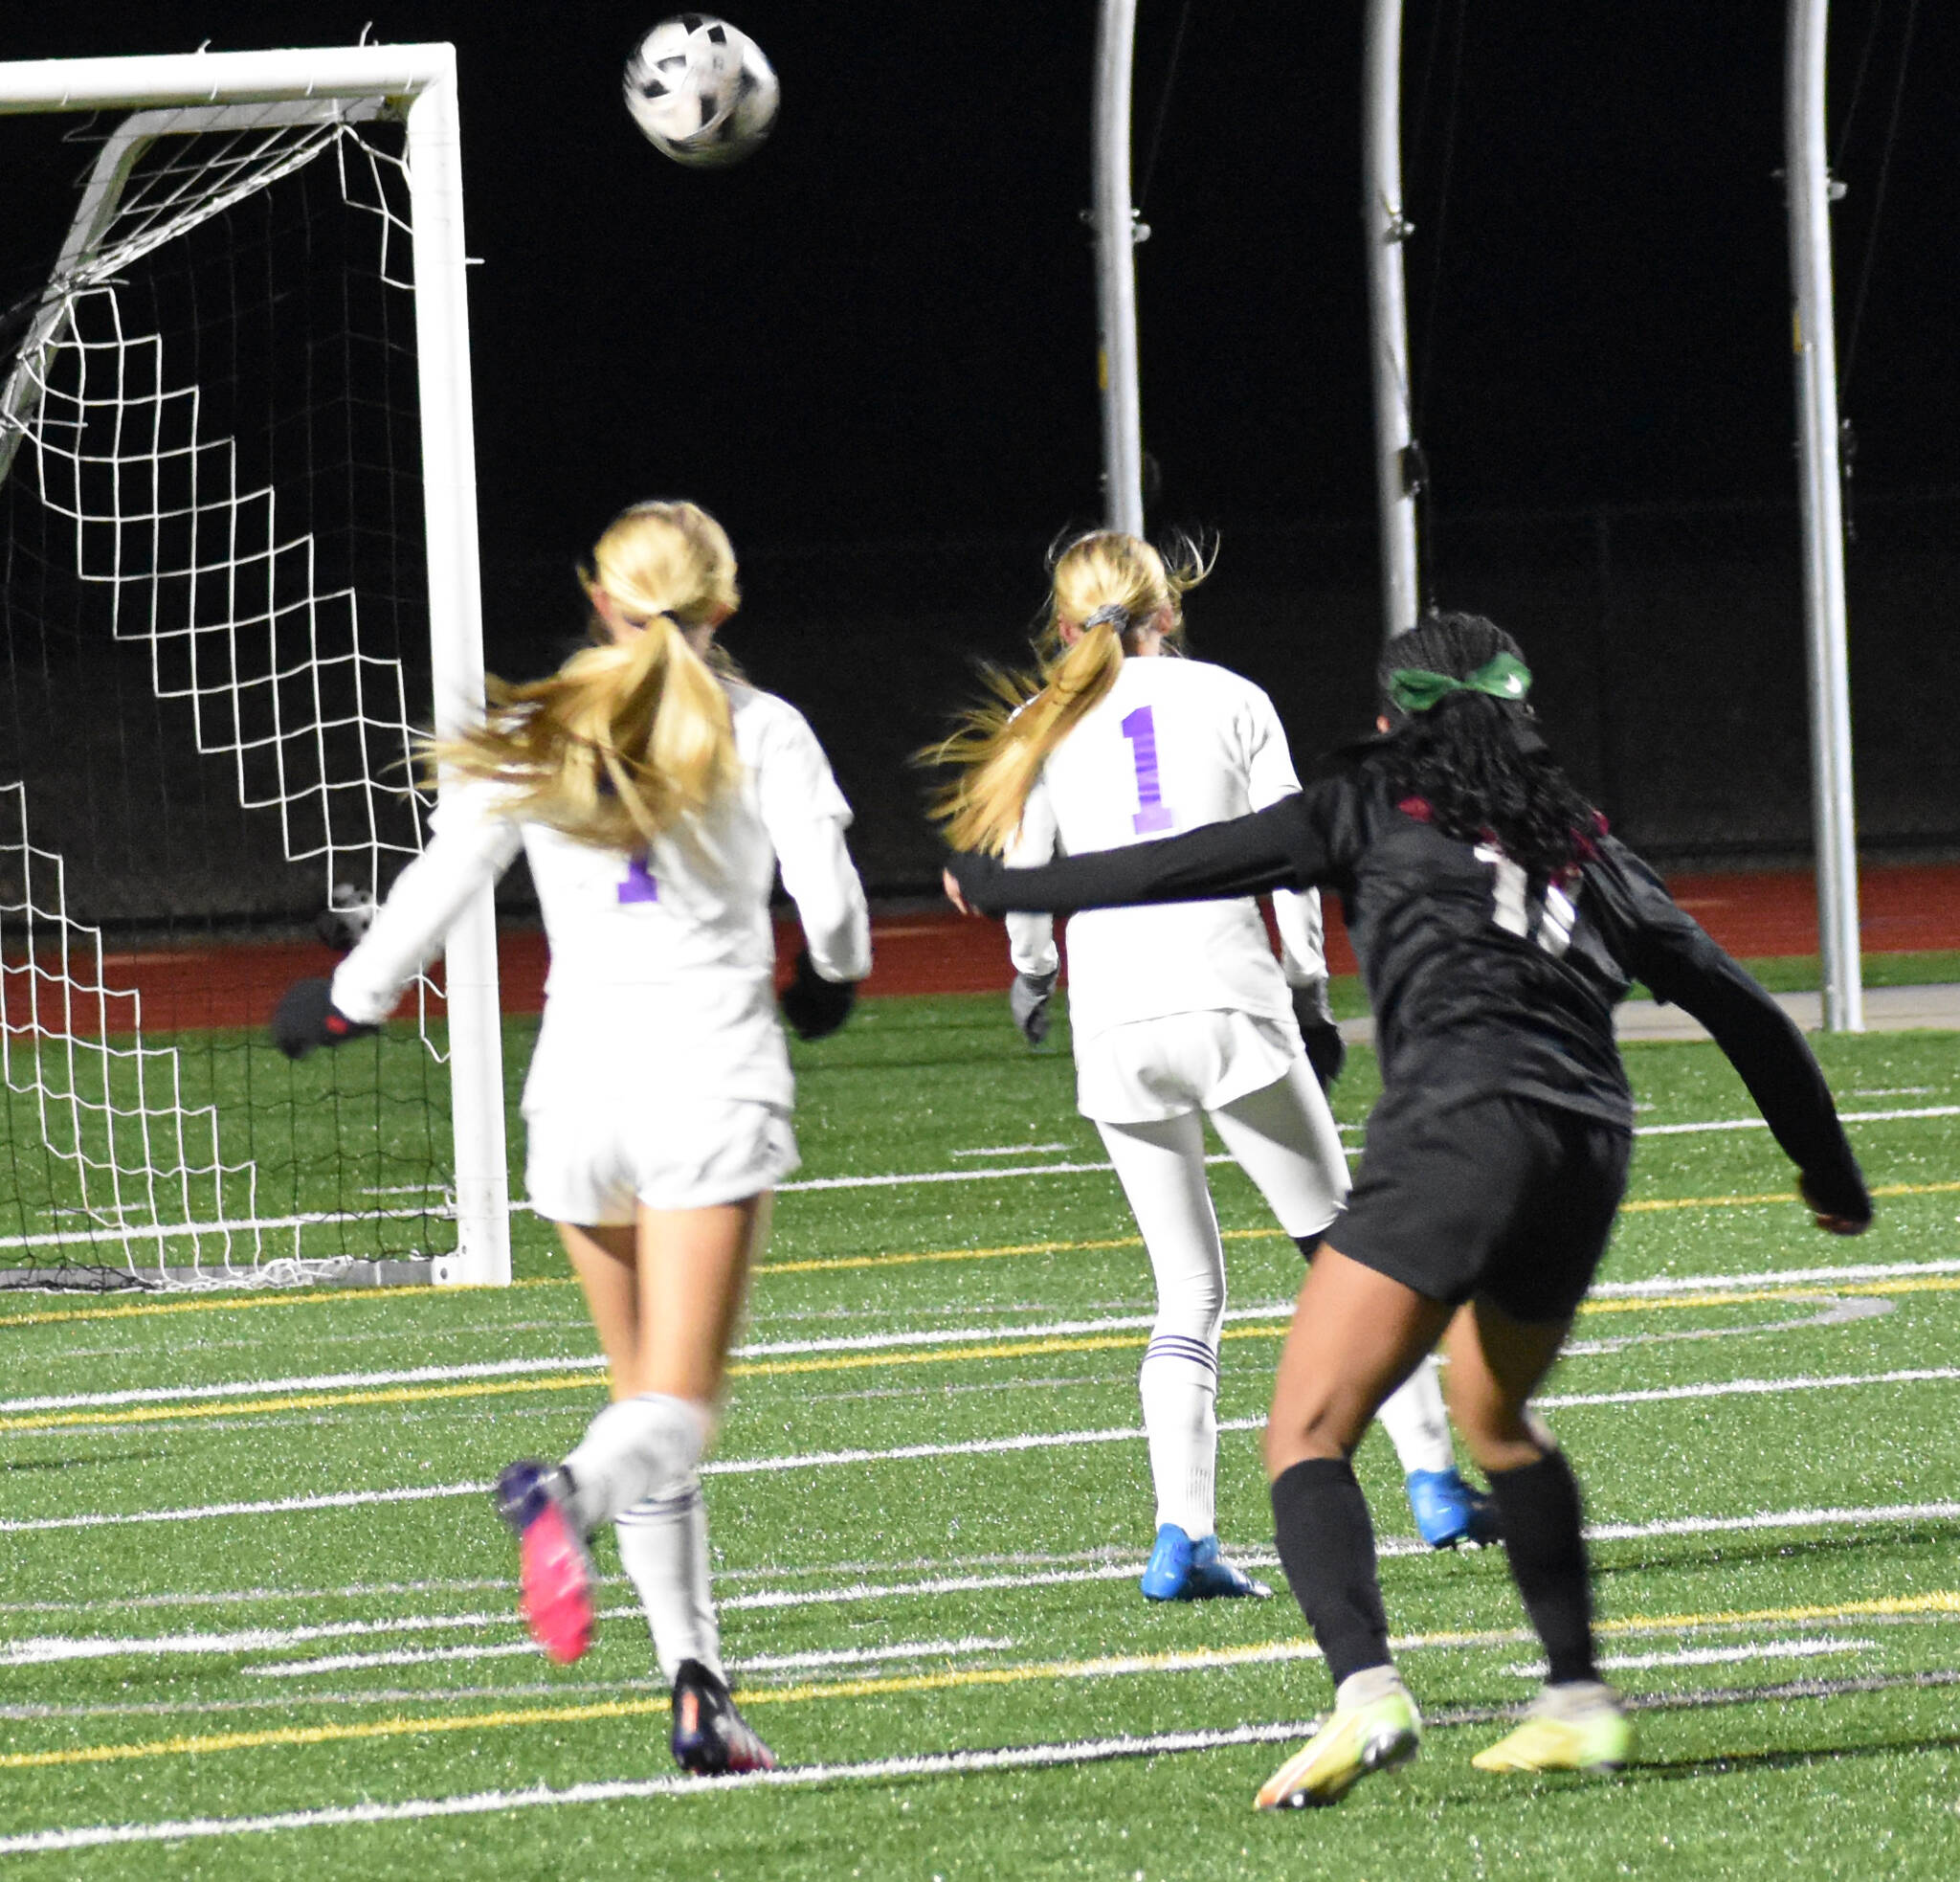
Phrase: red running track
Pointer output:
(1906, 909)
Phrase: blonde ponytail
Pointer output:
(627, 738)
(1110, 586)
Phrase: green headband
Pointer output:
(1414, 689)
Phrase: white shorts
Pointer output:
(1155, 1069)
(591, 1165)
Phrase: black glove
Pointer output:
(978, 878)
(1027, 999)
(1326, 1051)
(814, 1007)
(306, 1016)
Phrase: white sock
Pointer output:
(634, 1448)
(663, 1546)
(1414, 1418)
(1180, 1397)
(1365, 1687)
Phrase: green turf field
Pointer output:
(270, 1629)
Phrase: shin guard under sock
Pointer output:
(1326, 1547)
(1538, 1507)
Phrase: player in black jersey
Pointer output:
(1497, 925)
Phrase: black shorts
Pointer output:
(1501, 1196)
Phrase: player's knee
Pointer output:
(1191, 1303)
(1502, 1437)
(1319, 1428)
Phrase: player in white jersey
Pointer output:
(1178, 1011)
(655, 796)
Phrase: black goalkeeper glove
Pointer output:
(814, 1007)
(306, 1016)
(1027, 999)
(1326, 1051)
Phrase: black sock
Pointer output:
(1538, 1506)
(1326, 1547)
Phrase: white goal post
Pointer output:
(417, 84)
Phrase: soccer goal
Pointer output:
(238, 564)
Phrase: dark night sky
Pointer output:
(883, 325)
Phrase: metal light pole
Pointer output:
(1388, 313)
(1114, 221)
(1812, 333)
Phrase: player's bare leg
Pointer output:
(665, 1296)
(1496, 1363)
(1356, 1335)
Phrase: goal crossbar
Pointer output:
(418, 82)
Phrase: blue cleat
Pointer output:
(1180, 1569)
(1449, 1514)
(711, 1738)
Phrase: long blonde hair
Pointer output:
(1111, 586)
(624, 739)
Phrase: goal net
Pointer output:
(217, 591)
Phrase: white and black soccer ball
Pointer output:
(701, 91)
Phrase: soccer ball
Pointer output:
(701, 91)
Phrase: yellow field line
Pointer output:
(829, 1264)
(409, 1395)
(1775, 1195)
(1931, 1284)
(1943, 1601)
(312, 1297)
(246, 1302)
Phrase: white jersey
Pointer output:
(1172, 745)
(662, 963)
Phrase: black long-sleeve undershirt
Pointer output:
(1440, 968)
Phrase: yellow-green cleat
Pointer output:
(1576, 1727)
(1373, 1728)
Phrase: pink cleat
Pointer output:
(558, 1581)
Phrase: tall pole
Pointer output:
(1388, 311)
(455, 639)
(1814, 336)
(1114, 219)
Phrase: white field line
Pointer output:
(50, 1648)
(1090, 1168)
(1010, 1150)
(927, 1765)
(594, 1362)
(496, 1802)
(177, 1231)
(1659, 1287)
(286, 1597)
(1708, 1656)
(46, 1650)
(1757, 1123)
(747, 1467)
(950, 1653)
(1746, 1387)
(406, 1656)
(972, 1646)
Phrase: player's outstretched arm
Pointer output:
(1681, 962)
(806, 817)
(1275, 848)
(471, 846)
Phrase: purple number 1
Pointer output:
(638, 886)
(1152, 813)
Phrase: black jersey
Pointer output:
(1483, 981)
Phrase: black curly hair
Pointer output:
(1478, 762)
